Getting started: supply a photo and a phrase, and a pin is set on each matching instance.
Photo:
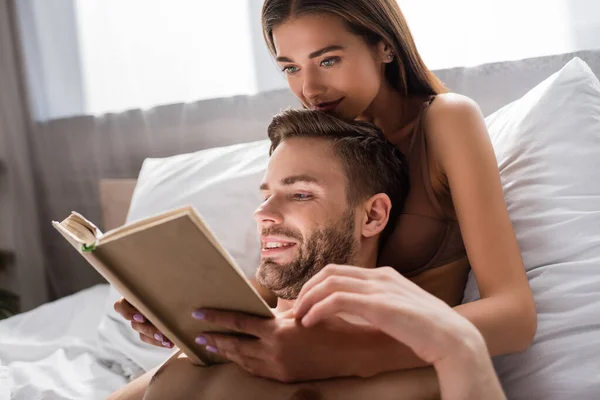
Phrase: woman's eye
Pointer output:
(290, 69)
(302, 196)
(330, 62)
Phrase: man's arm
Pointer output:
(135, 389)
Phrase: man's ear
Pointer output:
(377, 214)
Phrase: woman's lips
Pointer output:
(329, 106)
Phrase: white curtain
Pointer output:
(141, 53)
(92, 57)
(98, 56)
(471, 32)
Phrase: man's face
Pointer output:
(305, 221)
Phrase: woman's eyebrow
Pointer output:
(314, 54)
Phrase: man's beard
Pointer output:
(334, 244)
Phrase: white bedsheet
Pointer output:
(52, 352)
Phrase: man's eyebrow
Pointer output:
(290, 180)
(314, 54)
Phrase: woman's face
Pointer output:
(328, 67)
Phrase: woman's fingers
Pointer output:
(155, 342)
(356, 304)
(236, 321)
(128, 311)
(149, 334)
(333, 270)
(242, 346)
(328, 286)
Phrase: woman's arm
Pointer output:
(405, 312)
(506, 316)
(458, 140)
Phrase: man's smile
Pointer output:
(273, 246)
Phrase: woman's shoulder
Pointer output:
(452, 106)
(452, 121)
(452, 117)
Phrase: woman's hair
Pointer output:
(375, 21)
(371, 163)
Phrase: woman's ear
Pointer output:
(377, 215)
(385, 52)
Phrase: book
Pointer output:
(167, 266)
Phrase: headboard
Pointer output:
(115, 198)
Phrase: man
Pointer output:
(332, 191)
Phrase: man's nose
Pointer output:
(268, 214)
(312, 86)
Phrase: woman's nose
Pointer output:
(312, 86)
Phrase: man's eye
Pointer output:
(302, 196)
(330, 62)
(290, 69)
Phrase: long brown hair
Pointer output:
(374, 20)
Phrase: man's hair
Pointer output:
(372, 164)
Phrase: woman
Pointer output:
(357, 60)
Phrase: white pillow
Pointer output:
(548, 148)
(223, 185)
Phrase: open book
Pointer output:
(167, 266)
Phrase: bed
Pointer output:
(52, 351)
(55, 352)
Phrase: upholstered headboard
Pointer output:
(115, 198)
(74, 154)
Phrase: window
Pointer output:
(140, 53)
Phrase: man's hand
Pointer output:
(148, 332)
(282, 349)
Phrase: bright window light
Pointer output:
(142, 53)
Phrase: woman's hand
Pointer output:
(281, 349)
(402, 310)
(148, 332)
(389, 302)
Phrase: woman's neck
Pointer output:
(390, 111)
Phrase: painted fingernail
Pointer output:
(159, 337)
(167, 344)
(212, 349)
(201, 340)
(138, 317)
(198, 314)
